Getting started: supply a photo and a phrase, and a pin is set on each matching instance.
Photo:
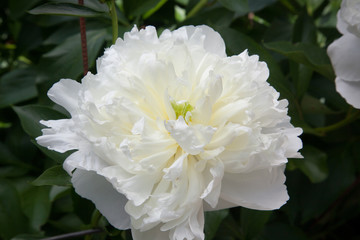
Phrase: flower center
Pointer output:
(181, 108)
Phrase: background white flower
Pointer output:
(345, 52)
(169, 127)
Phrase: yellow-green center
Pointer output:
(181, 108)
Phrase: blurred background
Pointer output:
(37, 50)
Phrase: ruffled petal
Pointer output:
(262, 189)
(107, 200)
(192, 228)
(83, 159)
(192, 139)
(65, 93)
(59, 136)
(213, 42)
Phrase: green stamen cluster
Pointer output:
(181, 108)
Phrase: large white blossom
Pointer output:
(170, 127)
(345, 52)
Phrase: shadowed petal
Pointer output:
(107, 200)
(262, 189)
(349, 90)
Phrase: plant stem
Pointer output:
(114, 20)
(349, 118)
(94, 222)
(74, 234)
(83, 41)
(197, 8)
(95, 218)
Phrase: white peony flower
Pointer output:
(345, 52)
(171, 127)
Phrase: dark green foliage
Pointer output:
(36, 50)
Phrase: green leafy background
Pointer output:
(40, 44)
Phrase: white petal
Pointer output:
(138, 127)
(65, 93)
(195, 35)
(192, 228)
(148, 34)
(83, 159)
(136, 187)
(222, 204)
(191, 139)
(261, 189)
(212, 191)
(341, 25)
(107, 200)
(344, 54)
(349, 13)
(153, 234)
(350, 90)
(59, 136)
(213, 42)
(175, 170)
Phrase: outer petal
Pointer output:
(154, 233)
(107, 200)
(341, 25)
(65, 93)
(349, 90)
(59, 136)
(350, 13)
(345, 57)
(262, 189)
(212, 43)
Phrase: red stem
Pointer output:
(83, 41)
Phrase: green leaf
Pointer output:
(55, 175)
(12, 219)
(19, 7)
(213, 220)
(310, 200)
(256, 5)
(36, 205)
(56, 156)
(65, 61)
(31, 115)
(312, 105)
(17, 86)
(136, 8)
(83, 208)
(215, 17)
(253, 222)
(68, 223)
(307, 54)
(305, 32)
(301, 76)
(154, 9)
(242, 7)
(66, 9)
(304, 29)
(237, 42)
(10, 165)
(283, 231)
(8, 158)
(314, 164)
